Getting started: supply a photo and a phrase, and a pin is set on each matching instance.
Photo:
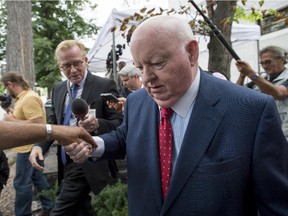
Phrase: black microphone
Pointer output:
(79, 107)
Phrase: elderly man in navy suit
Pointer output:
(229, 154)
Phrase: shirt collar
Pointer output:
(21, 94)
(183, 105)
(81, 84)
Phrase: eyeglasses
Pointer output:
(267, 62)
(75, 64)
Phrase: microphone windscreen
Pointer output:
(79, 107)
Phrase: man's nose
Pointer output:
(73, 68)
(147, 74)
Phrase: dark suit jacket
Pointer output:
(233, 159)
(108, 119)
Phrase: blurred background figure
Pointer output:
(123, 91)
(275, 83)
(131, 80)
(4, 172)
(121, 64)
(130, 77)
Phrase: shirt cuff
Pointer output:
(99, 150)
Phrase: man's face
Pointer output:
(166, 67)
(10, 89)
(271, 64)
(129, 82)
(73, 64)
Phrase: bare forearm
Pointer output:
(240, 80)
(15, 134)
(268, 88)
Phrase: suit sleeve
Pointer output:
(270, 164)
(112, 118)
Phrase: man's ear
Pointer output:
(8, 83)
(192, 49)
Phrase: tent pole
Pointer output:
(258, 63)
(114, 60)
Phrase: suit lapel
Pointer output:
(61, 101)
(154, 168)
(147, 155)
(87, 86)
(204, 121)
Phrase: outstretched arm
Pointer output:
(278, 92)
(16, 134)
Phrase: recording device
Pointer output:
(6, 100)
(40, 162)
(216, 32)
(79, 107)
(118, 52)
(109, 97)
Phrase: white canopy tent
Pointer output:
(97, 55)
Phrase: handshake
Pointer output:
(76, 141)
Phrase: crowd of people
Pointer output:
(194, 144)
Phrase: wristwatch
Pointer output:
(253, 77)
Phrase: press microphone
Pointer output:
(79, 107)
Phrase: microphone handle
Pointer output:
(216, 32)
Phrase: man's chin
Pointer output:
(163, 102)
(75, 80)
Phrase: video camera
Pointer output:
(6, 100)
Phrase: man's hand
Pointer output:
(78, 152)
(71, 134)
(244, 68)
(119, 106)
(89, 122)
(36, 155)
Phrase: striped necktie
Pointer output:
(67, 117)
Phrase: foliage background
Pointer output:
(52, 22)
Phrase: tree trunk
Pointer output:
(219, 57)
(19, 50)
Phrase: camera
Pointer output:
(6, 100)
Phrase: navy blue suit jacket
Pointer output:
(233, 160)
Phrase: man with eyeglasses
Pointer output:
(275, 83)
(76, 180)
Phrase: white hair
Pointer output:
(129, 70)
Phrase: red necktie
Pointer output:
(165, 148)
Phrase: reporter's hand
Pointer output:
(89, 122)
(119, 106)
(78, 152)
(36, 153)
